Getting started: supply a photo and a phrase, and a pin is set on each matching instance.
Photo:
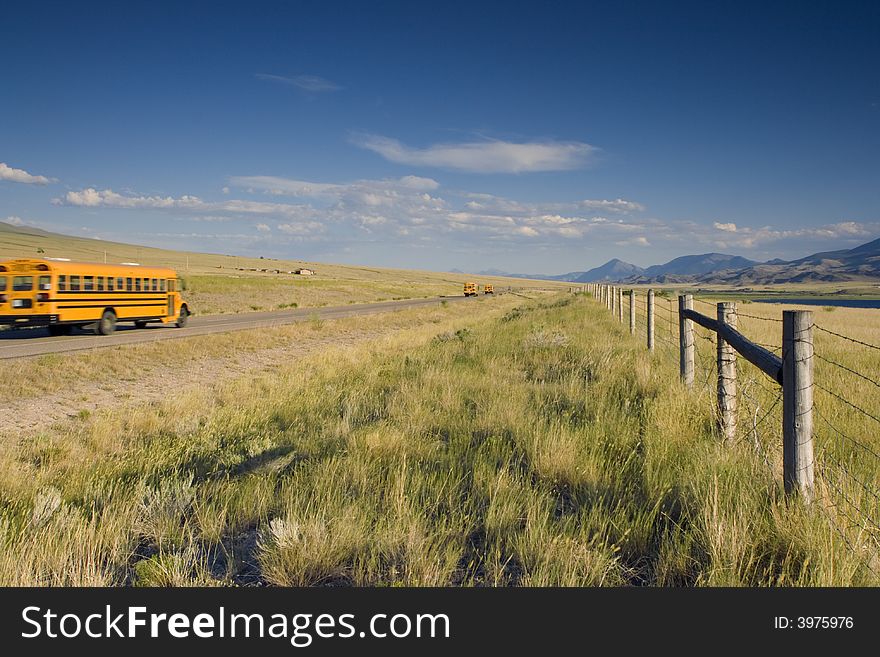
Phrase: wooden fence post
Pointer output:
(651, 320)
(613, 301)
(797, 402)
(686, 340)
(620, 305)
(727, 401)
(632, 312)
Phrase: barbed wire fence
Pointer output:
(797, 400)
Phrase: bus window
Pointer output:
(137, 285)
(23, 283)
(110, 280)
(88, 283)
(128, 284)
(74, 283)
(155, 285)
(62, 283)
(161, 285)
(45, 283)
(99, 283)
(120, 284)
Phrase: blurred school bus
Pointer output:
(488, 288)
(60, 294)
(470, 289)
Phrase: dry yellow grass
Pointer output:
(533, 445)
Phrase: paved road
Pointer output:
(36, 342)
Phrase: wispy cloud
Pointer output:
(313, 84)
(14, 221)
(416, 210)
(21, 176)
(483, 156)
(202, 210)
(617, 205)
(749, 238)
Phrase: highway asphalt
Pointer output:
(21, 343)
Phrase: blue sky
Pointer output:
(530, 137)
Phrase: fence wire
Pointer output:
(847, 465)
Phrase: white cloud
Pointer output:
(634, 241)
(306, 228)
(93, 198)
(21, 176)
(303, 188)
(618, 205)
(419, 209)
(745, 237)
(308, 83)
(484, 157)
(14, 221)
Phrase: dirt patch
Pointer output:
(152, 384)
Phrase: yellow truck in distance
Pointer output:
(488, 288)
(470, 289)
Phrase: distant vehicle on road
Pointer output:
(60, 295)
(470, 289)
(488, 288)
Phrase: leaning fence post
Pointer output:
(726, 374)
(651, 320)
(797, 402)
(632, 312)
(686, 340)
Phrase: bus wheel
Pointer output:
(107, 324)
(183, 318)
(140, 324)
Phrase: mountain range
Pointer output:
(719, 268)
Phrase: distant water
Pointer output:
(842, 303)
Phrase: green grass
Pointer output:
(535, 445)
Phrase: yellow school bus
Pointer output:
(488, 288)
(60, 294)
(470, 289)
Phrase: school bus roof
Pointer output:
(86, 268)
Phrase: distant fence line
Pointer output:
(791, 373)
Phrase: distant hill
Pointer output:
(721, 268)
(613, 270)
(695, 265)
(846, 264)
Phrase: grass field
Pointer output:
(534, 444)
(217, 284)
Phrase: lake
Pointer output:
(842, 303)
